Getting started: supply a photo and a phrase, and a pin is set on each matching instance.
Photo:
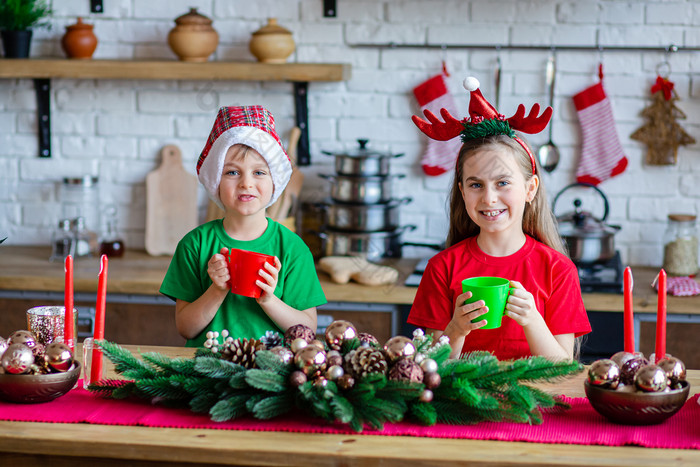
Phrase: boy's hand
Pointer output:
(521, 305)
(217, 268)
(269, 282)
(463, 315)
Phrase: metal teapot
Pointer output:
(589, 239)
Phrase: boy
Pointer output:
(244, 168)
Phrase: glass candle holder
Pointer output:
(47, 323)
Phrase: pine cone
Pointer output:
(406, 370)
(242, 351)
(296, 331)
(271, 339)
(365, 360)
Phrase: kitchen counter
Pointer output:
(41, 444)
(28, 269)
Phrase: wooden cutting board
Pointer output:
(171, 203)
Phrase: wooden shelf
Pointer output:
(172, 70)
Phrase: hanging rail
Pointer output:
(498, 47)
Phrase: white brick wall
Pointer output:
(116, 128)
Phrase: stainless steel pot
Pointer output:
(364, 217)
(361, 190)
(362, 161)
(589, 239)
(371, 245)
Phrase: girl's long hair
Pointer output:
(538, 219)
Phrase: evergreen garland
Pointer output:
(486, 128)
(477, 387)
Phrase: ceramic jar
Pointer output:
(79, 41)
(272, 43)
(193, 39)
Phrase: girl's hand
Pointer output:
(521, 305)
(268, 285)
(461, 323)
(217, 268)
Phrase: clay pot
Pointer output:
(193, 39)
(79, 41)
(272, 43)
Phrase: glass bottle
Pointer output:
(681, 245)
(111, 245)
(85, 240)
(62, 243)
(80, 197)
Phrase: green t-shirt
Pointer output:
(297, 284)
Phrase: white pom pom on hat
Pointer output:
(471, 84)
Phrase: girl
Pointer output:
(500, 225)
(244, 169)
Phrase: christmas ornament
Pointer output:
(484, 121)
(674, 369)
(432, 95)
(662, 134)
(339, 331)
(320, 382)
(318, 344)
(431, 380)
(604, 373)
(334, 372)
(429, 365)
(426, 396)
(602, 156)
(59, 357)
(368, 339)
(406, 370)
(365, 360)
(271, 339)
(285, 355)
(630, 367)
(346, 382)
(242, 351)
(621, 357)
(651, 378)
(334, 358)
(3, 345)
(399, 347)
(297, 378)
(23, 337)
(311, 360)
(298, 331)
(17, 359)
(38, 350)
(298, 344)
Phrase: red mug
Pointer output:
(244, 267)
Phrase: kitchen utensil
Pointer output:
(244, 267)
(494, 292)
(171, 203)
(497, 83)
(30, 389)
(588, 238)
(636, 408)
(370, 245)
(548, 154)
(364, 217)
(361, 190)
(362, 161)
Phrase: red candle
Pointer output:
(96, 367)
(628, 284)
(661, 319)
(68, 329)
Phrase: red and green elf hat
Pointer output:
(484, 120)
(253, 126)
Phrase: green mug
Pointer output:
(494, 292)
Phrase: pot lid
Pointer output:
(193, 18)
(79, 25)
(271, 28)
(362, 151)
(583, 224)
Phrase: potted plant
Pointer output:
(17, 17)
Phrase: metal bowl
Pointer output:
(636, 408)
(29, 389)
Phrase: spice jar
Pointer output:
(80, 197)
(62, 243)
(681, 245)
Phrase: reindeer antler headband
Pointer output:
(484, 121)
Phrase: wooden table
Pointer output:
(42, 444)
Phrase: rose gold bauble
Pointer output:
(272, 43)
(23, 337)
(79, 41)
(399, 347)
(310, 360)
(338, 332)
(59, 357)
(193, 39)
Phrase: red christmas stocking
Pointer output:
(439, 156)
(601, 155)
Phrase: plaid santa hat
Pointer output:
(253, 126)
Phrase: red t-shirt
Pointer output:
(548, 275)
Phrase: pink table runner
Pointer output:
(579, 425)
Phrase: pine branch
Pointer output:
(204, 402)
(266, 360)
(229, 408)
(273, 406)
(542, 369)
(343, 410)
(212, 367)
(266, 380)
(163, 387)
(123, 359)
(424, 413)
